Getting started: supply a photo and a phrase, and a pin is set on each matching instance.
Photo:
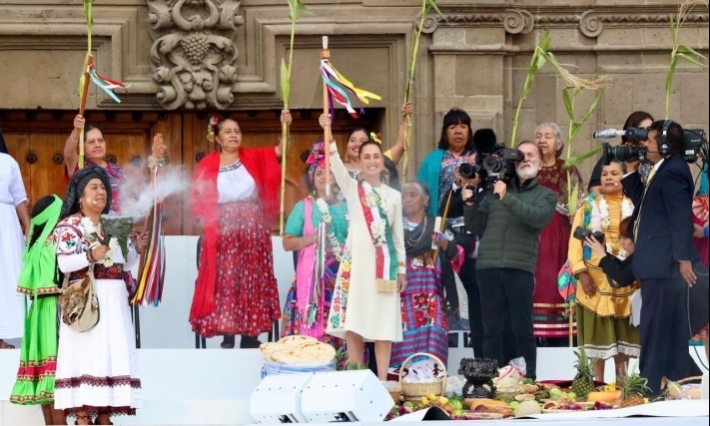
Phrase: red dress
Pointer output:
(236, 292)
(554, 241)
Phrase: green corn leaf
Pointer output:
(593, 106)
(568, 103)
(575, 127)
(296, 9)
(575, 161)
(669, 77)
(285, 83)
(674, 32)
(545, 42)
(88, 12)
(692, 60)
(431, 5)
(683, 48)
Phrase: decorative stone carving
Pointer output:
(518, 21)
(590, 25)
(193, 54)
(430, 23)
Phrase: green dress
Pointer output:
(38, 354)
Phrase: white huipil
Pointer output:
(372, 314)
(12, 244)
(97, 367)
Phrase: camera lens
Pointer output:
(467, 171)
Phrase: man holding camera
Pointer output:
(662, 227)
(509, 222)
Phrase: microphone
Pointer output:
(608, 134)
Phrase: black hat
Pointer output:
(77, 185)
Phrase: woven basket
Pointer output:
(396, 395)
(414, 391)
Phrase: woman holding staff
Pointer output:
(366, 301)
(235, 195)
(317, 228)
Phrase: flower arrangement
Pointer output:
(335, 245)
(117, 227)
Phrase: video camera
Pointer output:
(581, 234)
(695, 145)
(493, 162)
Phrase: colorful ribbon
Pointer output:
(339, 86)
(106, 84)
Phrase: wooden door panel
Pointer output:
(46, 176)
(18, 146)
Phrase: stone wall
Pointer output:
(473, 58)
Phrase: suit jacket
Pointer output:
(666, 227)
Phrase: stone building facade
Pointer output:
(185, 59)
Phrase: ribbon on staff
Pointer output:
(339, 86)
(106, 84)
(151, 276)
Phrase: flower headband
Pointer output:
(210, 128)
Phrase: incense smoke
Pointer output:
(137, 201)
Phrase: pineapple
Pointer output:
(633, 390)
(583, 382)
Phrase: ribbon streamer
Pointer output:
(151, 277)
(338, 86)
(106, 84)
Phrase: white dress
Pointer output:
(99, 367)
(372, 314)
(12, 244)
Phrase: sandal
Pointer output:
(5, 345)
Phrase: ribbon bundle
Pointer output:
(106, 84)
(151, 277)
(339, 86)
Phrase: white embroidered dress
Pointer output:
(357, 306)
(12, 244)
(99, 367)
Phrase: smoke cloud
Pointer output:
(137, 200)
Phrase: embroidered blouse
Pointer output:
(234, 183)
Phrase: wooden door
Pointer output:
(36, 140)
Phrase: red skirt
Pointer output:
(552, 255)
(246, 293)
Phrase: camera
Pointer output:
(493, 163)
(695, 145)
(582, 234)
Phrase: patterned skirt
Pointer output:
(292, 319)
(38, 355)
(605, 337)
(425, 326)
(246, 293)
(549, 321)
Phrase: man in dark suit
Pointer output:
(662, 226)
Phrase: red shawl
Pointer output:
(263, 166)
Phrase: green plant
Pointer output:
(539, 58)
(427, 7)
(569, 96)
(296, 9)
(682, 51)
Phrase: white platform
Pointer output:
(212, 386)
(185, 386)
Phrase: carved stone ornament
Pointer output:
(193, 54)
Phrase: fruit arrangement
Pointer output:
(583, 382)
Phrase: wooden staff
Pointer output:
(442, 227)
(327, 132)
(82, 106)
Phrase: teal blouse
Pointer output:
(338, 213)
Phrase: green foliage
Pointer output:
(88, 12)
(296, 8)
(681, 51)
(538, 60)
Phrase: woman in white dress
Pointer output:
(366, 301)
(97, 369)
(13, 206)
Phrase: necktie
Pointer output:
(638, 218)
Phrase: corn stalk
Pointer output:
(682, 51)
(538, 61)
(575, 86)
(296, 8)
(84, 79)
(427, 7)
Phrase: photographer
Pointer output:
(662, 227)
(509, 222)
(637, 119)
